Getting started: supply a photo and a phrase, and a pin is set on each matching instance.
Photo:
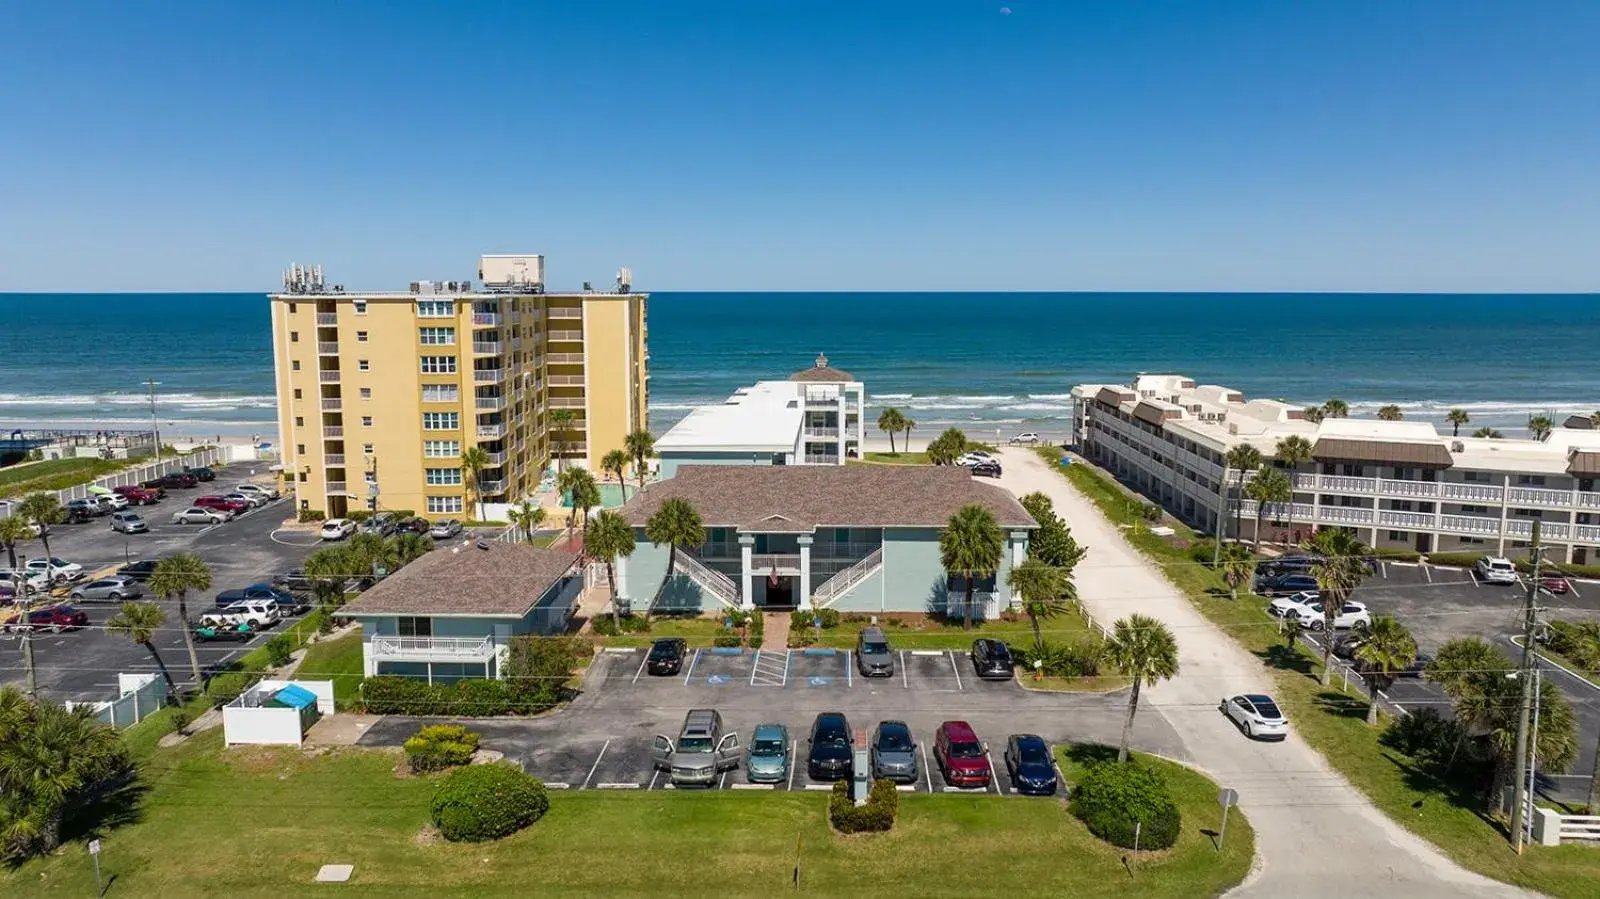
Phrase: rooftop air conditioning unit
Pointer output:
(416, 287)
(1457, 446)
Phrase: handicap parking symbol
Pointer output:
(717, 680)
(817, 680)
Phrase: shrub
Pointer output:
(1464, 560)
(755, 630)
(403, 514)
(230, 685)
(726, 637)
(1403, 555)
(883, 804)
(440, 746)
(279, 650)
(1080, 659)
(1425, 736)
(1202, 550)
(1150, 512)
(359, 515)
(1116, 799)
(1580, 643)
(631, 624)
(309, 515)
(1554, 568)
(487, 802)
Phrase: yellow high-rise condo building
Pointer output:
(382, 395)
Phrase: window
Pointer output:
(436, 308)
(294, 365)
(293, 307)
(294, 336)
(300, 449)
(440, 393)
(366, 393)
(361, 307)
(372, 477)
(441, 421)
(441, 449)
(366, 421)
(438, 336)
(1397, 535)
(438, 365)
(414, 627)
(1474, 476)
(297, 393)
(441, 505)
(1530, 480)
(299, 421)
(366, 448)
(361, 337)
(442, 477)
(363, 365)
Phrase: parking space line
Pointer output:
(642, 662)
(904, 682)
(1573, 586)
(956, 669)
(994, 774)
(927, 652)
(592, 768)
(616, 786)
(849, 676)
(1427, 574)
(756, 666)
(906, 788)
(654, 773)
(755, 786)
(1474, 575)
(793, 746)
(558, 785)
(819, 786)
(786, 655)
(690, 673)
(723, 784)
(927, 768)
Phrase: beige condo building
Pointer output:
(380, 393)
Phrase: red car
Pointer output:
(137, 496)
(1556, 585)
(961, 756)
(54, 619)
(218, 502)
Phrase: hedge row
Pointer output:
(1403, 555)
(883, 804)
(469, 697)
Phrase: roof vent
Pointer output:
(1457, 446)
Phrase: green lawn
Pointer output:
(1333, 722)
(338, 660)
(901, 458)
(54, 474)
(697, 630)
(259, 821)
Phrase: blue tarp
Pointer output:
(295, 697)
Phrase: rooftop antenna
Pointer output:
(624, 280)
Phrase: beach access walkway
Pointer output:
(1316, 834)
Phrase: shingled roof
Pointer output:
(505, 579)
(802, 498)
(821, 372)
(1386, 452)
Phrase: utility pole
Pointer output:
(1222, 508)
(27, 630)
(155, 428)
(1521, 798)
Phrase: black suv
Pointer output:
(831, 756)
(992, 659)
(201, 474)
(666, 655)
(1286, 584)
(140, 570)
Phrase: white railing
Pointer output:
(1589, 500)
(332, 433)
(496, 458)
(562, 312)
(432, 647)
(820, 431)
(488, 376)
(133, 477)
(1392, 518)
(1471, 492)
(326, 319)
(1534, 496)
(565, 335)
(491, 432)
(718, 583)
(819, 459)
(1301, 481)
(485, 319)
(1588, 533)
(333, 460)
(565, 380)
(330, 376)
(1549, 530)
(562, 358)
(490, 488)
(565, 402)
(491, 403)
(335, 487)
(1408, 488)
(1345, 484)
(844, 550)
(332, 404)
(1349, 514)
(769, 561)
(327, 348)
(1471, 524)
(833, 588)
(486, 348)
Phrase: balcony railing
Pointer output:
(432, 648)
(1470, 524)
(334, 460)
(1548, 530)
(491, 403)
(1393, 519)
(820, 459)
(1348, 514)
(332, 404)
(496, 458)
(1344, 484)
(327, 319)
(332, 432)
(485, 319)
(1408, 488)
(820, 431)
(336, 487)
(488, 376)
(491, 432)
(565, 335)
(327, 348)
(1535, 496)
(1587, 533)
(1589, 500)
(490, 488)
(763, 562)
(563, 312)
(1470, 492)
(565, 402)
(487, 348)
(565, 380)
(563, 358)
(328, 376)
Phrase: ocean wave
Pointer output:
(947, 406)
(186, 400)
(890, 396)
(1036, 407)
(1437, 407)
(1050, 396)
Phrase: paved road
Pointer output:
(1316, 834)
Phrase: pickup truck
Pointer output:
(287, 603)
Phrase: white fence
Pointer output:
(249, 721)
(139, 695)
(1552, 829)
(137, 475)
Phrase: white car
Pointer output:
(337, 528)
(1257, 715)
(256, 490)
(1300, 602)
(256, 613)
(201, 515)
(1496, 570)
(1026, 437)
(118, 501)
(36, 580)
(55, 569)
(1353, 614)
(253, 500)
(973, 457)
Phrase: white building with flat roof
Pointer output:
(813, 418)
(1399, 484)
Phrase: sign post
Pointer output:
(94, 853)
(1227, 799)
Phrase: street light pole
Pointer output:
(1520, 798)
(155, 427)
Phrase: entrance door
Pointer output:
(1423, 542)
(781, 594)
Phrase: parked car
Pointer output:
(666, 655)
(1029, 765)
(830, 754)
(37, 581)
(54, 619)
(76, 514)
(444, 530)
(241, 632)
(109, 589)
(129, 523)
(337, 528)
(257, 613)
(1286, 584)
(1556, 585)
(140, 570)
(237, 507)
(961, 756)
(266, 493)
(873, 657)
(201, 515)
(701, 752)
(1299, 563)
(57, 570)
(285, 600)
(1496, 570)
(767, 760)
(1026, 437)
(1345, 648)
(1353, 614)
(894, 752)
(986, 469)
(250, 501)
(1284, 605)
(992, 659)
(89, 507)
(154, 488)
(137, 495)
(116, 501)
(1257, 715)
(292, 581)
(381, 525)
(201, 474)
(417, 525)
(176, 479)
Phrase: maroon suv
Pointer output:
(218, 502)
(54, 619)
(961, 756)
(137, 496)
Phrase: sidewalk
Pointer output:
(774, 630)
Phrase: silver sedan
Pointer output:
(109, 589)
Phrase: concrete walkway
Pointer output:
(1316, 835)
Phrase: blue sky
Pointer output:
(805, 144)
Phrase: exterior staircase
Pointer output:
(829, 591)
(720, 585)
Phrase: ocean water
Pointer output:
(1000, 362)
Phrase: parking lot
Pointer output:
(83, 665)
(602, 741)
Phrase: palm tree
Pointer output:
(1540, 426)
(585, 493)
(173, 578)
(907, 425)
(473, 461)
(1341, 570)
(1241, 458)
(1144, 649)
(972, 546)
(1293, 451)
(566, 484)
(1237, 565)
(1336, 408)
(14, 529)
(1269, 486)
(1457, 418)
(560, 426)
(52, 762)
(44, 510)
(676, 524)
(615, 462)
(1390, 412)
(891, 422)
(608, 539)
(525, 517)
(1383, 648)
(367, 554)
(1315, 414)
(1489, 433)
(329, 570)
(640, 445)
(409, 547)
(1046, 590)
(139, 621)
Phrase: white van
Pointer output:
(1496, 570)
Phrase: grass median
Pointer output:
(1333, 721)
